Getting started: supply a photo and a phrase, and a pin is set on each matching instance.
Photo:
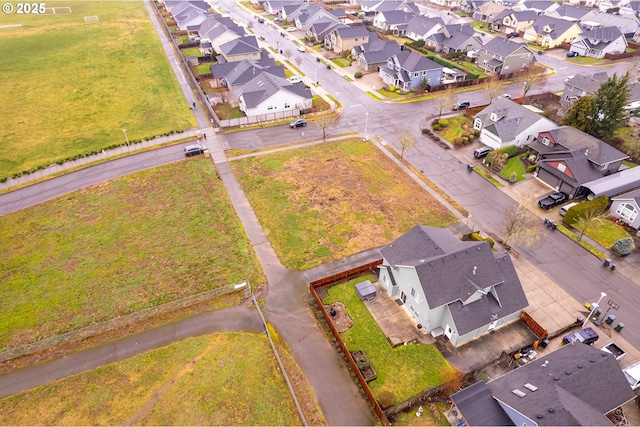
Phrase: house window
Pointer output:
(424, 73)
(416, 74)
(271, 107)
(626, 211)
(414, 294)
(570, 88)
(287, 105)
(562, 167)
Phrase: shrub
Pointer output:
(476, 133)
(598, 204)
(4, 179)
(510, 150)
(465, 139)
(386, 399)
(623, 246)
(513, 178)
(426, 131)
(443, 122)
(358, 74)
(531, 168)
(436, 126)
(392, 88)
(457, 141)
(475, 236)
(616, 142)
(435, 122)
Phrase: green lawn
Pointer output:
(606, 233)
(191, 51)
(70, 87)
(204, 68)
(119, 247)
(514, 165)
(322, 203)
(454, 129)
(405, 370)
(341, 62)
(198, 381)
(394, 94)
(587, 60)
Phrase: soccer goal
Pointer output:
(61, 10)
(90, 19)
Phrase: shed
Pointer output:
(366, 290)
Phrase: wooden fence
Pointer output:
(533, 325)
(335, 278)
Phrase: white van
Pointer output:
(565, 208)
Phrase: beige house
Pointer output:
(550, 32)
(344, 38)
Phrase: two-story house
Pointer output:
(460, 288)
(504, 123)
(503, 56)
(627, 24)
(454, 38)
(569, 158)
(550, 32)
(393, 21)
(370, 56)
(343, 38)
(407, 70)
(240, 49)
(267, 93)
(513, 21)
(575, 13)
(488, 11)
(581, 85)
(596, 43)
(420, 27)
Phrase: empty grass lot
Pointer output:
(198, 381)
(321, 203)
(405, 370)
(69, 87)
(119, 247)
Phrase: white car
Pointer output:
(301, 48)
(292, 29)
(505, 96)
(295, 79)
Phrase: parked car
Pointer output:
(632, 373)
(193, 150)
(481, 152)
(261, 20)
(300, 48)
(586, 336)
(461, 106)
(565, 208)
(513, 34)
(298, 123)
(505, 96)
(553, 199)
(278, 19)
(291, 29)
(295, 79)
(572, 54)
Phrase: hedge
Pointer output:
(478, 238)
(598, 204)
(511, 150)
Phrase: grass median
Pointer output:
(322, 203)
(119, 247)
(198, 381)
(71, 86)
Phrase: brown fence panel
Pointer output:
(345, 275)
(533, 325)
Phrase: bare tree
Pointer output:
(406, 141)
(496, 160)
(225, 108)
(444, 99)
(287, 53)
(298, 61)
(587, 220)
(492, 86)
(452, 381)
(520, 226)
(326, 122)
(534, 78)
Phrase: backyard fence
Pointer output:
(335, 278)
(120, 322)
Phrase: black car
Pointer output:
(298, 123)
(461, 106)
(553, 199)
(586, 336)
(261, 20)
(193, 150)
(571, 54)
(512, 35)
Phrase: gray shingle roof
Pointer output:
(451, 271)
(240, 46)
(557, 26)
(396, 17)
(588, 83)
(513, 118)
(412, 62)
(420, 24)
(577, 386)
(601, 36)
(575, 12)
(569, 138)
(479, 408)
(502, 47)
(346, 32)
(265, 85)
(458, 40)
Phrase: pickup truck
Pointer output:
(553, 199)
(614, 349)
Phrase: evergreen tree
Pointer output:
(609, 103)
(580, 114)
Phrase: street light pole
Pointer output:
(127, 138)
(596, 305)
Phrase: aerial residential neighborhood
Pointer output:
(292, 212)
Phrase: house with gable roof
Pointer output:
(513, 21)
(581, 85)
(575, 385)
(312, 14)
(343, 38)
(370, 56)
(626, 207)
(239, 49)
(627, 24)
(541, 7)
(569, 158)
(470, 6)
(596, 43)
(574, 13)
(460, 288)
(267, 93)
(550, 32)
(504, 123)
(395, 21)
(407, 70)
(631, 8)
(321, 29)
(420, 27)
(503, 56)
(454, 38)
(488, 11)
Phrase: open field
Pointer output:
(119, 247)
(70, 87)
(198, 381)
(322, 203)
(403, 371)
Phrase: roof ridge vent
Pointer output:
(530, 386)
(518, 393)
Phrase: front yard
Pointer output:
(324, 202)
(402, 371)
